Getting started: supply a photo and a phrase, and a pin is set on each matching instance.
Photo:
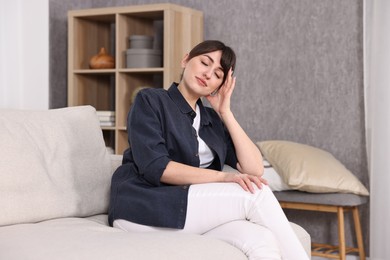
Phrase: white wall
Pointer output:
(377, 74)
(24, 54)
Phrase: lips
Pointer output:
(201, 82)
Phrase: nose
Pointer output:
(207, 73)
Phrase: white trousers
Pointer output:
(254, 223)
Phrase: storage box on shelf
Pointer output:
(174, 30)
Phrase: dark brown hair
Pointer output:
(228, 58)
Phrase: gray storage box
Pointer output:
(143, 58)
(141, 42)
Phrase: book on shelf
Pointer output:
(105, 113)
(107, 123)
(106, 118)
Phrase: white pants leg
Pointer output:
(213, 204)
(255, 241)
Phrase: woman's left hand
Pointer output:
(246, 181)
(221, 101)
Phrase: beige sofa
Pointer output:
(55, 177)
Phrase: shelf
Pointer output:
(112, 71)
(94, 71)
(108, 128)
(141, 70)
(175, 29)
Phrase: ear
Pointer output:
(184, 61)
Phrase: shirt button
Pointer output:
(185, 187)
(197, 155)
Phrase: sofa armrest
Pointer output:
(116, 161)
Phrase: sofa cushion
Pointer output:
(307, 168)
(53, 164)
(80, 238)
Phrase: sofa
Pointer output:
(55, 176)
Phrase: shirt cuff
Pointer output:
(155, 170)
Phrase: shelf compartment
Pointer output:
(97, 90)
(128, 83)
(91, 34)
(109, 138)
(144, 23)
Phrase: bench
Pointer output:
(338, 203)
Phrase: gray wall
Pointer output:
(299, 75)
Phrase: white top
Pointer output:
(206, 155)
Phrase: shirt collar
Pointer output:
(204, 115)
(185, 108)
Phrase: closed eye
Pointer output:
(205, 60)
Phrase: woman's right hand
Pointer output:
(246, 181)
(221, 101)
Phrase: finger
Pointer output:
(230, 79)
(248, 183)
(233, 83)
(242, 183)
(231, 74)
(228, 87)
(258, 182)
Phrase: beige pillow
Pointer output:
(310, 169)
(53, 164)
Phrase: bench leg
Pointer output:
(342, 244)
(358, 230)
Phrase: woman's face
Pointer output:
(203, 74)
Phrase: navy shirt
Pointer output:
(159, 127)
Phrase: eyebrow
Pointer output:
(211, 59)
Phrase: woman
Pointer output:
(172, 178)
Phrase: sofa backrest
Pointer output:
(53, 164)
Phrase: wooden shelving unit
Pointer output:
(180, 28)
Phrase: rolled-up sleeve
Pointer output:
(146, 139)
